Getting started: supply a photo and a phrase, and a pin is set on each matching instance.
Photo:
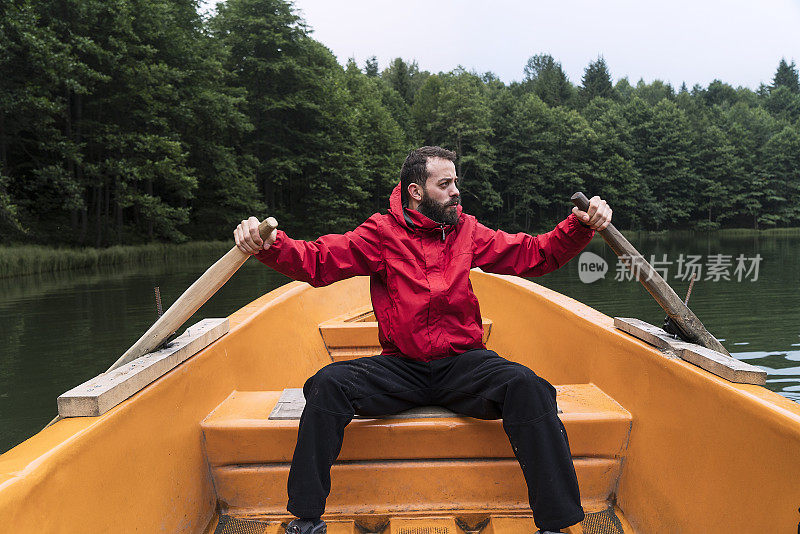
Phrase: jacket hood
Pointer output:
(417, 219)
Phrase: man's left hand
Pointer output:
(597, 217)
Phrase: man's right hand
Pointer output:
(247, 238)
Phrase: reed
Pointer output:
(19, 260)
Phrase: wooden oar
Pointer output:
(190, 301)
(655, 284)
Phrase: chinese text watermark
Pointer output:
(712, 267)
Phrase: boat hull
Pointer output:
(703, 455)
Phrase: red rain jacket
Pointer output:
(419, 271)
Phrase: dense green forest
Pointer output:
(128, 121)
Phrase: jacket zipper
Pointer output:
(443, 236)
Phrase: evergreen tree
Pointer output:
(304, 138)
(612, 170)
(596, 81)
(719, 93)
(782, 103)
(655, 92)
(781, 178)
(718, 169)
(545, 77)
(666, 164)
(371, 67)
(381, 140)
(748, 130)
(786, 76)
(405, 78)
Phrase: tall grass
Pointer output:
(18, 260)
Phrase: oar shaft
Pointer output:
(655, 284)
(192, 299)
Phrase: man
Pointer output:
(418, 257)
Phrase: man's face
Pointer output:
(440, 196)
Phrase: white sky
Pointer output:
(739, 42)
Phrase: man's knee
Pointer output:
(328, 381)
(537, 392)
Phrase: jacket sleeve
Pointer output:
(330, 258)
(526, 255)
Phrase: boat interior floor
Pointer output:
(428, 471)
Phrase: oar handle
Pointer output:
(266, 227)
(654, 283)
(580, 200)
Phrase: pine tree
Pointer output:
(613, 173)
(405, 78)
(381, 140)
(304, 140)
(718, 169)
(545, 77)
(786, 76)
(596, 81)
(371, 67)
(666, 164)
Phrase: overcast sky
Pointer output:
(696, 41)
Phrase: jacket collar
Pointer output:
(412, 219)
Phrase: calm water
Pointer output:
(58, 330)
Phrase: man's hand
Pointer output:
(598, 216)
(247, 238)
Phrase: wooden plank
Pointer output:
(98, 395)
(651, 334)
(724, 366)
(712, 361)
(292, 401)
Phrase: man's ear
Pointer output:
(415, 191)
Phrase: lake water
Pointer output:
(60, 329)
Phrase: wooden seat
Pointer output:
(430, 463)
(355, 334)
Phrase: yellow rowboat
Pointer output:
(659, 445)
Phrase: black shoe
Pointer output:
(304, 526)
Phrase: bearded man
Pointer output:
(418, 257)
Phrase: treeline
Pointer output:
(125, 121)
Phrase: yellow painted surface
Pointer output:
(428, 525)
(388, 487)
(238, 431)
(704, 455)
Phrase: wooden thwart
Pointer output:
(291, 403)
(712, 361)
(98, 395)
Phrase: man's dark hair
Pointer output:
(415, 167)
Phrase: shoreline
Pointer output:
(25, 260)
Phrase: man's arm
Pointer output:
(329, 259)
(525, 255)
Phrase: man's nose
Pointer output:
(454, 191)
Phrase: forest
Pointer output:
(136, 121)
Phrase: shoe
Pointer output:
(303, 526)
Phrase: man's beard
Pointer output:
(441, 213)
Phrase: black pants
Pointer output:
(478, 383)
